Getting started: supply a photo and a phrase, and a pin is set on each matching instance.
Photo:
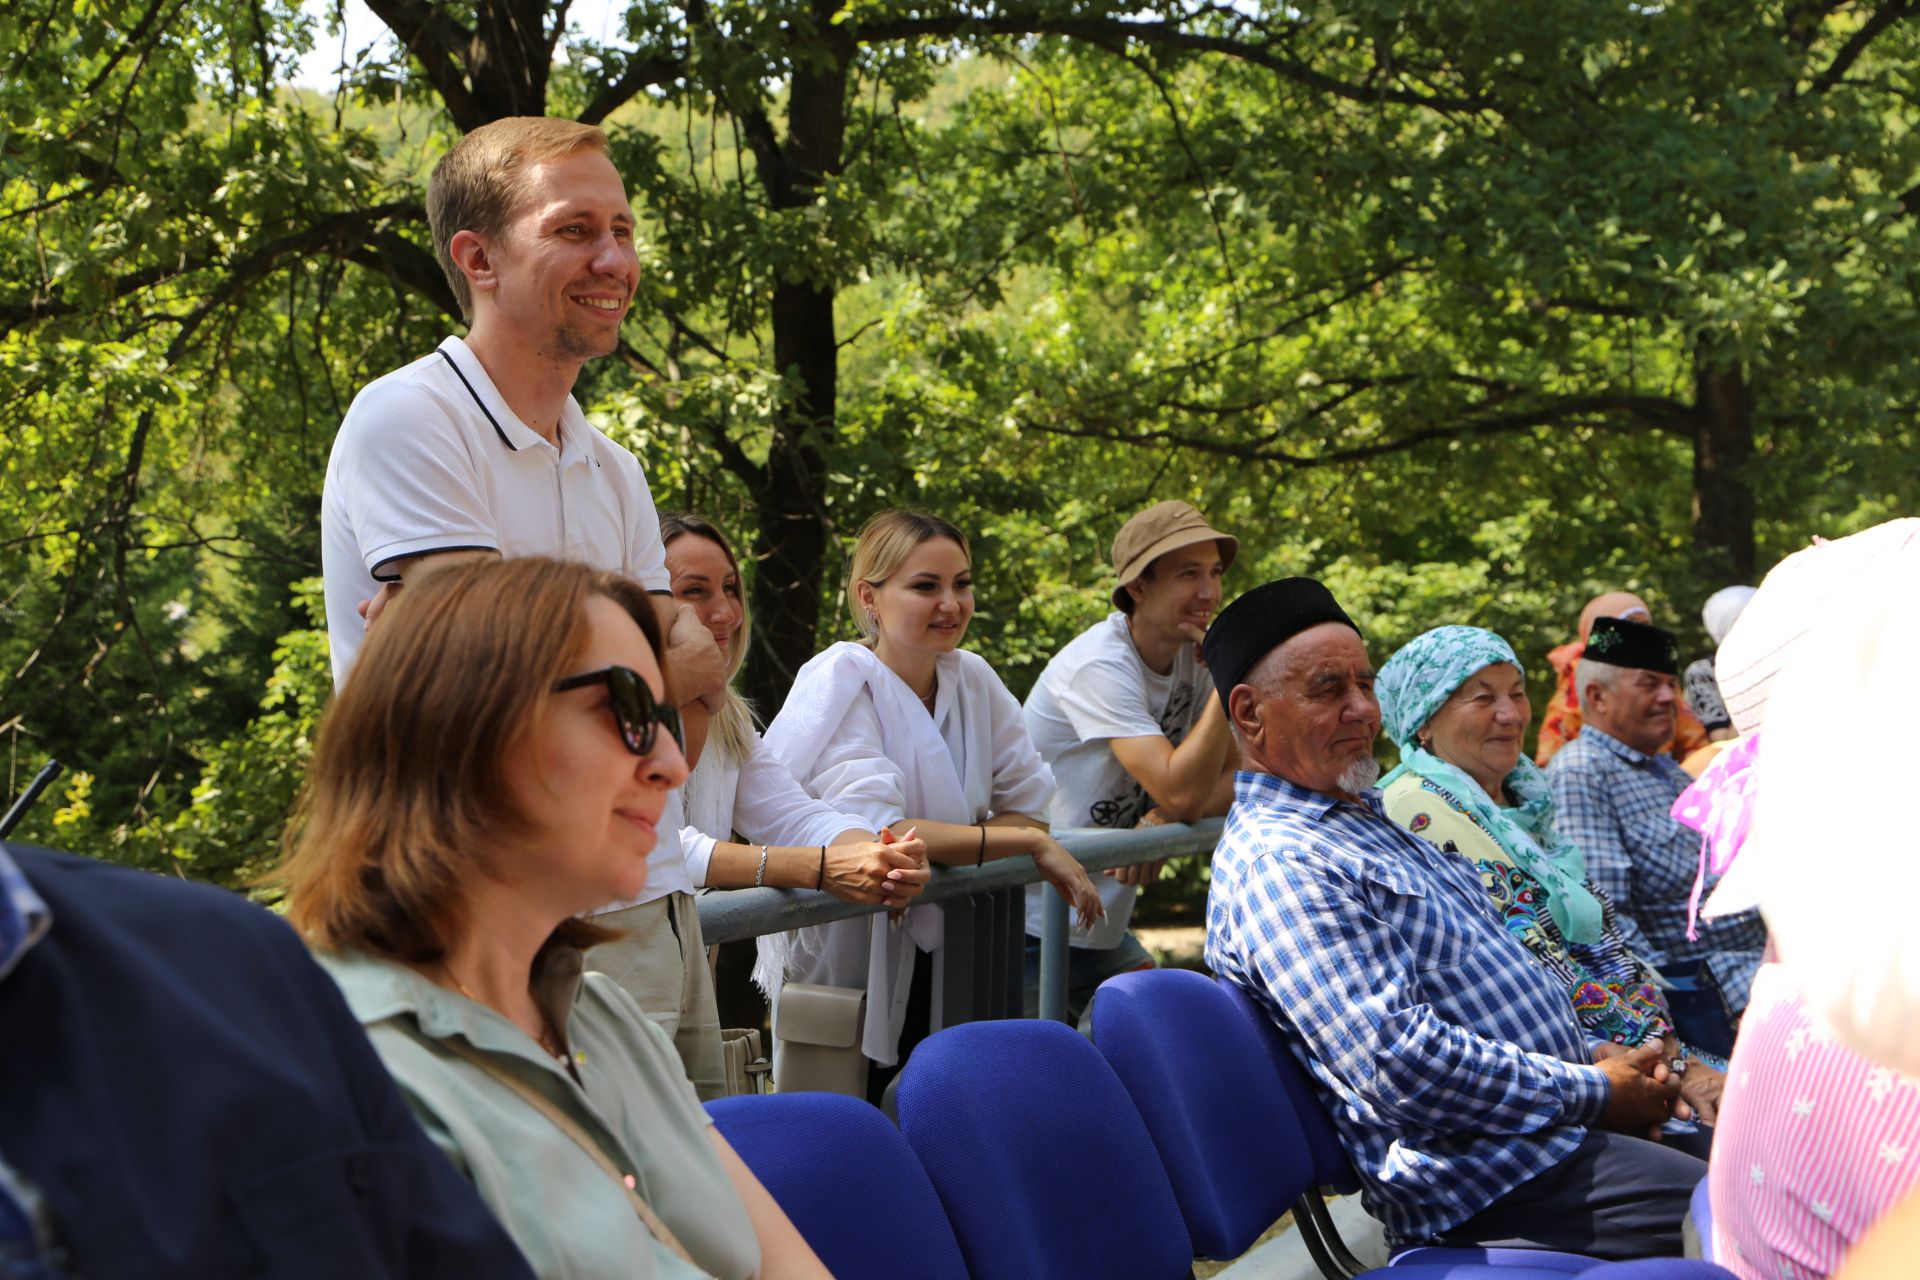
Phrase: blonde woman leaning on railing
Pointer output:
(906, 729)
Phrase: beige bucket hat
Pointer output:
(1162, 527)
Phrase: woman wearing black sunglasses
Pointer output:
(496, 768)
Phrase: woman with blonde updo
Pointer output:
(909, 732)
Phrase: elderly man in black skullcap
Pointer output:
(1457, 1077)
(1613, 795)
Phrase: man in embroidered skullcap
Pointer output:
(1457, 1077)
(1614, 793)
(1561, 723)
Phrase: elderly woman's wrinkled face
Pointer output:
(1480, 728)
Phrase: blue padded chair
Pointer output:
(1202, 1082)
(1039, 1156)
(818, 1153)
(1333, 1172)
(1660, 1269)
(1702, 1215)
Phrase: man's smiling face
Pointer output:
(565, 266)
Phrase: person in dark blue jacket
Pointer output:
(183, 1093)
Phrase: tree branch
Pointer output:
(337, 233)
(1883, 17)
(638, 74)
(1113, 34)
(1600, 411)
(440, 45)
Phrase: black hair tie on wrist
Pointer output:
(820, 881)
(980, 859)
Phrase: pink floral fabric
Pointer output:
(1719, 805)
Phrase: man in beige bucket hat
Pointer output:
(1125, 717)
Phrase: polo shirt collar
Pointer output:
(486, 397)
(378, 990)
(24, 916)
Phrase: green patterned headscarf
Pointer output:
(1415, 683)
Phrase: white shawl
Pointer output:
(857, 737)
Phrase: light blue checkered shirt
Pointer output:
(1617, 805)
(1450, 1059)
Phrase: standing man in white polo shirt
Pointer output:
(480, 449)
(1125, 717)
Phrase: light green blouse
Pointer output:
(568, 1217)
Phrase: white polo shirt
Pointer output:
(430, 459)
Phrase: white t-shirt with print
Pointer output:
(1096, 689)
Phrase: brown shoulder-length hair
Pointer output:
(408, 793)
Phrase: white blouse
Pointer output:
(756, 799)
(857, 737)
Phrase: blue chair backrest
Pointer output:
(1331, 1168)
(1200, 1077)
(848, 1180)
(1043, 1164)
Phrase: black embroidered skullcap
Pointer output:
(1621, 643)
(1261, 621)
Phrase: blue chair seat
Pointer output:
(1505, 1261)
(819, 1153)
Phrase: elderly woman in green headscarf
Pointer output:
(1455, 702)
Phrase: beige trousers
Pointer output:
(662, 964)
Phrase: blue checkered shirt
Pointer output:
(1449, 1058)
(1617, 805)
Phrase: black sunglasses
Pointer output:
(635, 713)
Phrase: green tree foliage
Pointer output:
(1472, 315)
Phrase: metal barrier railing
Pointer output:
(986, 917)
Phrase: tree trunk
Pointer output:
(793, 539)
(791, 544)
(1722, 467)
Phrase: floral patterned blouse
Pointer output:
(1613, 992)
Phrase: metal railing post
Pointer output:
(1053, 955)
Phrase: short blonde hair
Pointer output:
(884, 544)
(479, 184)
(407, 796)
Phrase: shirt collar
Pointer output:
(513, 433)
(1602, 738)
(1270, 791)
(378, 990)
(24, 917)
